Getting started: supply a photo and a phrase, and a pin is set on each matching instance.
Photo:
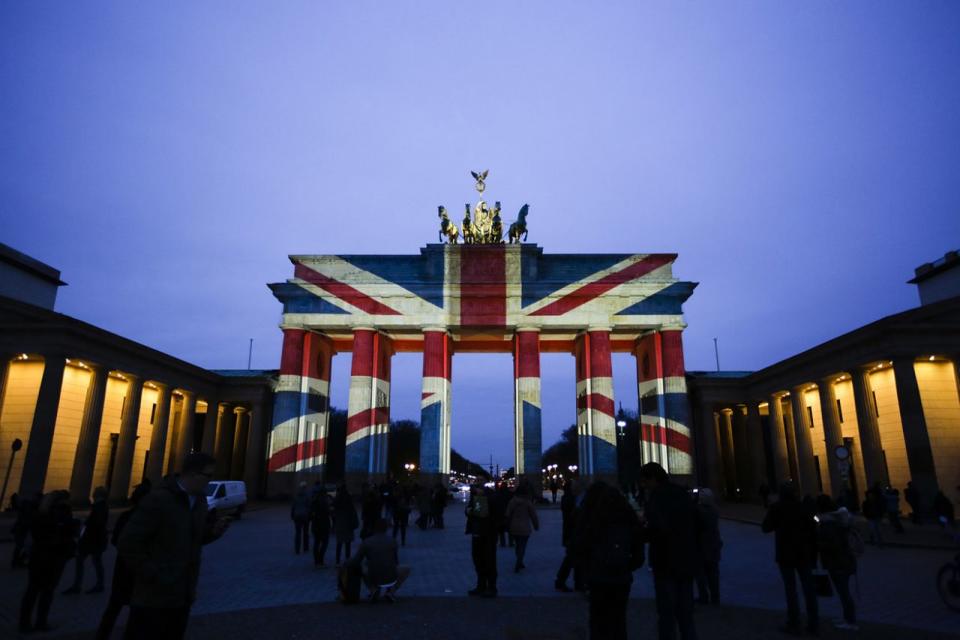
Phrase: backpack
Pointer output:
(480, 506)
(620, 551)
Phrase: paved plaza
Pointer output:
(252, 585)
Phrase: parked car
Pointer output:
(227, 495)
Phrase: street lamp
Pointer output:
(621, 424)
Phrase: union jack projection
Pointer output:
(494, 298)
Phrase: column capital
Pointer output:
(598, 328)
(527, 329)
(435, 329)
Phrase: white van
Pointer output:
(227, 495)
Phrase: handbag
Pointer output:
(822, 584)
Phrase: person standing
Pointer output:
(300, 514)
(670, 528)
(369, 509)
(53, 531)
(709, 544)
(439, 502)
(344, 521)
(483, 542)
(320, 524)
(554, 488)
(498, 510)
(891, 499)
(874, 506)
(796, 547)
(609, 542)
(26, 509)
(121, 587)
(93, 542)
(520, 516)
(912, 496)
(162, 545)
(401, 512)
(836, 555)
(569, 511)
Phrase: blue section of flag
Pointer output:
(669, 405)
(551, 273)
(532, 439)
(420, 275)
(296, 299)
(667, 301)
(430, 438)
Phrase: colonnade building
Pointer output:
(878, 404)
(90, 408)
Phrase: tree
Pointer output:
(563, 452)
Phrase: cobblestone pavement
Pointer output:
(253, 567)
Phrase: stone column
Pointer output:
(832, 434)
(791, 434)
(526, 401)
(241, 434)
(676, 406)
(806, 465)
(210, 423)
(758, 450)
(595, 406)
(158, 437)
(729, 455)
(255, 452)
(127, 442)
(915, 435)
(224, 446)
(711, 466)
(368, 412)
(435, 405)
(40, 443)
(81, 477)
(188, 414)
(648, 352)
(869, 428)
(741, 445)
(4, 368)
(781, 463)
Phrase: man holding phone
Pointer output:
(161, 544)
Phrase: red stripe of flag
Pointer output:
(598, 402)
(674, 439)
(344, 291)
(483, 287)
(368, 418)
(300, 451)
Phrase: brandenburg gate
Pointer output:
(476, 292)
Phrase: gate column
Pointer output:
(435, 406)
(597, 441)
(368, 413)
(528, 441)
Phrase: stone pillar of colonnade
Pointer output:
(239, 449)
(806, 465)
(210, 423)
(916, 438)
(664, 404)
(254, 463)
(41, 430)
(786, 408)
(741, 445)
(832, 434)
(527, 408)
(711, 471)
(368, 411)
(435, 406)
(869, 428)
(158, 437)
(597, 439)
(188, 414)
(123, 460)
(225, 435)
(758, 451)
(81, 478)
(729, 455)
(781, 464)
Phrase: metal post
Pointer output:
(16, 446)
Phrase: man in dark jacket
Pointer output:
(569, 511)
(670, 529)
(796, 552)
(93, 542)
(483, 541)
(162, 543)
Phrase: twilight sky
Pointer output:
(800, 157)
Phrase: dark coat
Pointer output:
(123, 578)
(480, 519)
(833, 542)
(54, 535)
(320, 515)
(708, 534)
(300, 507)
(608, 543)
(94, 538)
(521, 514)
(161, 544)
(380, 552)
(569, 511)
(795, 531)
(671, 531)
(345, 519)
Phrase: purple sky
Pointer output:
(800, 157)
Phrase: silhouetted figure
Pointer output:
(388, 495)
(944, 510)
(498, 510)
(439, 503)
(609, 543)
(709, 545)
(300, 514)
(369, 509)
(422, 496)
(912, 496)
(401, 513)
(53, 530)
(345, 521)
(93, 542)
(320, 524)
(796, 549)
(554, 489)
(873, 509)
(521, 515)
(383, 575)
(670, 527)
(569, 511)
(483, 541)
(891, 497)
(836, 555)
(162, 543)
(26, 509)
(121, 587)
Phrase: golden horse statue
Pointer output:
(447, 228)
(467, 226)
